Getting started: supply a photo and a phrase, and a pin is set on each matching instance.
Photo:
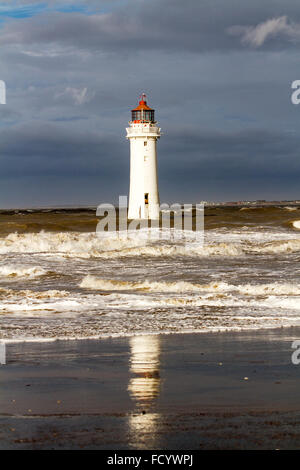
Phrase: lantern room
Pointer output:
(142, 113)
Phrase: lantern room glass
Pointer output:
(143, 115)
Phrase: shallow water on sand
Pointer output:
(59, 280)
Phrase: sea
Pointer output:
(60, 280)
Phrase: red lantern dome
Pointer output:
(142, 113)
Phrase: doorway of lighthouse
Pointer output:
(146, 205)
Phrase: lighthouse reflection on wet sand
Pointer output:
(143, 134)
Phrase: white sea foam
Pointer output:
(92, 282)
(81, 244)
(218, 249)
(8, 294)
(277, 247)
(88, 245)
(240, 279)
(21, 271)
(46, 302)
(296, 224)
(137, 295)
(96, 283)
(128, 308)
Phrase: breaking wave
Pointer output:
(79, 284)
(296, 224)
(88, 245)
(22, 271)
(277, 247)
(30, 294)
(80, 244)
(218, 249)
(277, 289)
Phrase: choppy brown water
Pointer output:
(85, 220)
(52, 220)
(59, 280)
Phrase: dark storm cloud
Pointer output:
(236, 154)
(218, 74)
(251, 164)
(170, 25)
(43, 149)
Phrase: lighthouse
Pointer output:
(143, 133)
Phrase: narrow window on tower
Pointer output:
(146, 198)
(145, 158)
(145, 143)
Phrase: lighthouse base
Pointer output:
(143, 212)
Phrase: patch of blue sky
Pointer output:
(13, 9)
(16, 11)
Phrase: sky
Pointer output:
(217, 73)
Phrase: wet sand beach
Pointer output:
(229, 390)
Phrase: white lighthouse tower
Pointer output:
(143, 134)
